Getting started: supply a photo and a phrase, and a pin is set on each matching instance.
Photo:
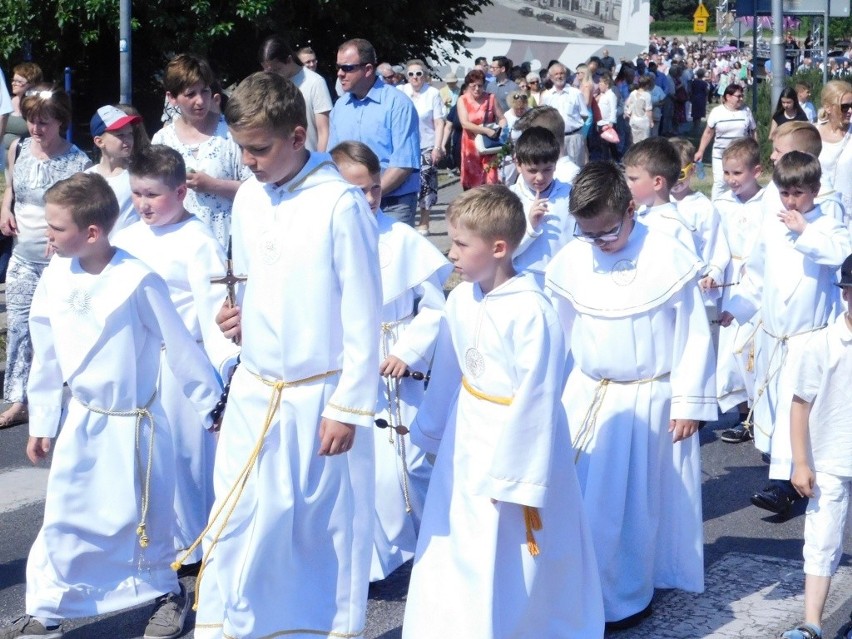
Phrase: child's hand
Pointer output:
(229, 322)
(38, 448)
(725, 319)
(793, 220)
(682, 428)
(335, 437)
(706, 283)
(803, 480)
(393, 367)
(538, 210)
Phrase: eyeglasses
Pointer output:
(349, 68)
(532, 81)
(390, 77)
(684, 172)
(737, 95)
(603, 238)
(520, 96)
(415, 74)
(845, 106)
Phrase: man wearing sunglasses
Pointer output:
(501, 86)
(383, 118)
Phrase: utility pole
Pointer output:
(777, 52)
(124, 54)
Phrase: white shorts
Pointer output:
(825, 519)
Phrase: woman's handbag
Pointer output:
(609, 134)
(486, 145)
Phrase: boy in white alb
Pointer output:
(112, 133)
(789, 281)
(652, 168)
(98, 320)
(545, 199)
(642, 379)
(740, 208)
(413, 274)
(290, 537)
(821, 438)
(504, 549)
(181, 249)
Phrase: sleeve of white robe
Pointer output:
(826, 242)
(44, 386)
(184, 356)
(434, 412)
(520, 468)
(207, 263)
(417, 341)
(356, 266)
(747, 299)
(693, 372)
(717, 253)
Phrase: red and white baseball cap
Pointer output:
(110, 118)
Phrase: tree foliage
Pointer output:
(83, 34)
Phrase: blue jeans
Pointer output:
(401, 207)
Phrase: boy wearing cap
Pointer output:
(112, 133)
(821, 440)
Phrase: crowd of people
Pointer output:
(270, 390)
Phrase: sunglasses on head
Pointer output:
(684, 172)
(415, 74)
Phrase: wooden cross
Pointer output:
(229, 279)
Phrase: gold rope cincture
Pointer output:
(750, 343)
(236, 490)
(392, 395)
(780, 343)
(141, 415)
(587, 428)
(532, 517)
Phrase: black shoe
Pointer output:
(629, 622)
(736, 435)
(766, 458)
(776, 497)
(189, 570)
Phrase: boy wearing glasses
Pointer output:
(642, 379)
(545, 200)
(504, 549)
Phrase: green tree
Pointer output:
(83, 34)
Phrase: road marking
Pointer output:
(21, 487)
(745, 596)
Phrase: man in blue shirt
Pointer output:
(383, 118)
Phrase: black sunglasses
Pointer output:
(349, 68)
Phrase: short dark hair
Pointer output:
(366, 51)
(536, 145)
(589, 198)
(797, 169)
(657, 156)
(266, 100)
(276, 48)
(503, 61)
(159, 162)
(90, 198)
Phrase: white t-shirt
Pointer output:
(729, 126)
(120, 184)
(317, 100)
(822, 377)
(429, 107)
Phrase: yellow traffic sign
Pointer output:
(699, 25)
(701, 11)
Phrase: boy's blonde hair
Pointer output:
(745, 149)
(805, 136)
(797, 170)
(685, 150)
(266, 100)
(184, 70)
(491, 211)
(90, 198)
(657, 156)
(543, 116)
